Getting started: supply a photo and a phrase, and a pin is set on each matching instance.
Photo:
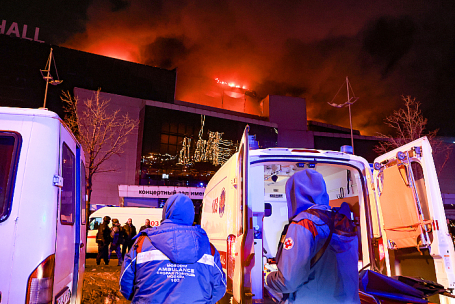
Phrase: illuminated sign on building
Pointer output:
(15, 30)
(159, 191)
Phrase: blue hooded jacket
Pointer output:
(173, 263)
(334, 278)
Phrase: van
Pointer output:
(42, 209)
(397, 208)
(137, 214)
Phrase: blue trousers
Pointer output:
(117, 251)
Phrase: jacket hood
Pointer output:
(180, 243)
(305, 189)
(178, 209)
(176, 237)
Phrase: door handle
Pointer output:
(82, 245)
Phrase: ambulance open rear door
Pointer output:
(245, 234)
(415, 234)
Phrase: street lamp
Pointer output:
(46, 73)
(351, 100)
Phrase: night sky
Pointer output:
(287, 47)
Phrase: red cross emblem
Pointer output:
(288, 243)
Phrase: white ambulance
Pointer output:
(398, 210)
(137, 214)
(42, 209)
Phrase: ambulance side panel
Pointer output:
(28, 234)
(220, 211)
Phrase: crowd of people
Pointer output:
(109, 239)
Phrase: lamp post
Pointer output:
(351, 100)
(46, 73)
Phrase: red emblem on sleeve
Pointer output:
(288, 243)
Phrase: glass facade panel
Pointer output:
(173, 128)
(182, 129)
(165, 127)
(164, 138)
(186, 149)
(172, 140)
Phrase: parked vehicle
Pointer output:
(42, 209)
(137, 214)
(398, 210)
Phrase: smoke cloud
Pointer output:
(292, 48)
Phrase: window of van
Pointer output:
(241, 190)
(9, 150)
(95, 222)
(67, 202)
(83, 190)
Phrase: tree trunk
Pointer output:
(87, 202)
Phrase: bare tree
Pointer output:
(409, 124)
(101, 132)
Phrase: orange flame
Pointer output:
(231, 84)
(115, 49)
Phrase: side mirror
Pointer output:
(267, 209)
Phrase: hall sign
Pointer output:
(159, 191)
(23, 32)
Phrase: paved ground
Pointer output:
(101, 283)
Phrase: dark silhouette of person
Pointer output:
(129, 233)
(103, 239)
(333, 276)
(147, 225)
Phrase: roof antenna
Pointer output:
(351, 100)
(46, 73)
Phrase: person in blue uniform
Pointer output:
(174, 262)
(333, 277)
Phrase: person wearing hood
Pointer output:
(316, 260)
(174, 262)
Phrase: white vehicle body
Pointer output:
(42, 212)
(245, 210)
(137, 214)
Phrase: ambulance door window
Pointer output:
(417, 171)
(95, 222)
(9, 150)
(419, 181)
(83, 210)
(67, 202)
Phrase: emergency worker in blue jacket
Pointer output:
(174, 262)
(334, 277)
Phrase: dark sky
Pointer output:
(288, 47)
